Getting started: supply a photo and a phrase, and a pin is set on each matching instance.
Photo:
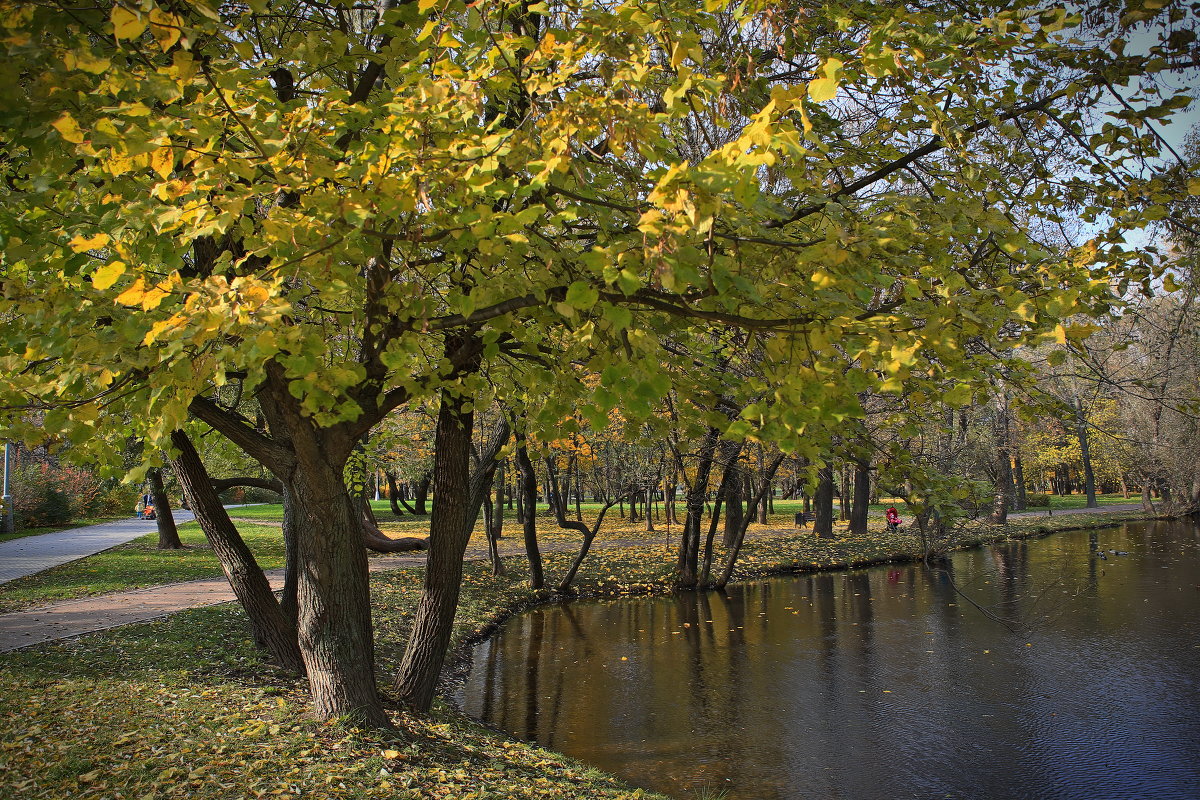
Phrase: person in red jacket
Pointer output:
(893, 519)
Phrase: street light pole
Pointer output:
(8, 526)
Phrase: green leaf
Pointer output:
(581, 295)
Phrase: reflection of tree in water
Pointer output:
(1018, 601)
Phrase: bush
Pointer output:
(241, 495)
(38, 500)
(117, 500)
(1037, 500)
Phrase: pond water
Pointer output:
(1052, 668)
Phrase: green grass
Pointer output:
(136, 564)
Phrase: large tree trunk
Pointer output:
(731, 482)
(528, 494)
(862, 497)
(272, 630)
(689, 547)
(333, 595)
(458, 496)
(168, 534)
(823, 503)
(449, 532)
(732, 556)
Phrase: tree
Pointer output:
(348, 210)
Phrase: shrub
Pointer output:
(38, 500)
(1037, 500)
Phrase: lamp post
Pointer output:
(8, 526)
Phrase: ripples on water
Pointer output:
(1051, 673)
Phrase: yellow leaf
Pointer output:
(166, 28)
(133, 295)
(822, 89)
(107, 275)
(163, 161)
(127, 24)
(153, 297)
(391, 754)
(84, 60)
(448, 41)
(1194, 186)
(68, 128)
(157, 328)
(79, 244)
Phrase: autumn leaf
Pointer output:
(823, 89)
(107, 275)
(127, 24)
(82, 244)
(68, 128)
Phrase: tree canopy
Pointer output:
(346, 208)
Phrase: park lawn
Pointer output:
(186, 707)
(137, 564)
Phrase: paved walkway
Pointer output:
(68, 618)
(30, 554)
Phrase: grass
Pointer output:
(136, 564)
(139, 563)
(186, 707)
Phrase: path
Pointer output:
(30, 554)
(68, 618)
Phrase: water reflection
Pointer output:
(1051, 668)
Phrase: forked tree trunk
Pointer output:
(393, 494)
(457, 498)
(736, 549)
(168, 534)
(689, 546)
(272, 630)
(528, 494)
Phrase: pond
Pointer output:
(1065, 667)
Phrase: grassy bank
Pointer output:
(185, 707)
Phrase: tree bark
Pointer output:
(732, 556)
(393, 494)
(528, 495)
(731, 482)
(862, 497)
(458, 495)
(1002, 500)
(272, 630)
(823, 503)
(1089, 477)
(689, 546)
(168, 534)
(496, 526)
